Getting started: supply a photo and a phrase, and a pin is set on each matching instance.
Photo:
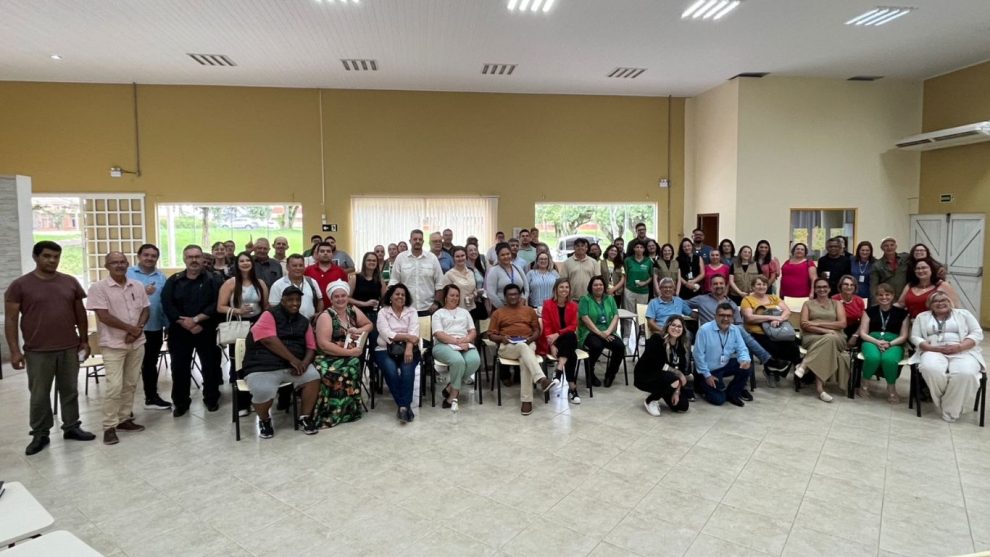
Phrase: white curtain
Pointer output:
(386, 220)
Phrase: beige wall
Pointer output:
(712, 157)
(952, 100)
(263, 144)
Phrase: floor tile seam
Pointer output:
(969, 522)
(751, 548)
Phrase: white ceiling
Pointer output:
(442, 44)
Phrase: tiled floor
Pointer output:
(786, 475)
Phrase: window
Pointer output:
(182, 224)
(813, 227)
(385, 220)
(560, 222)
(89, 227)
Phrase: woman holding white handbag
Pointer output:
(242, 298)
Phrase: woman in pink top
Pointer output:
(797, 274)
(715, 267)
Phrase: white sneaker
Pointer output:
(653, 408)
(825, 396)
(243, 412)
(470, 380)
(453, 405)
(574, 397)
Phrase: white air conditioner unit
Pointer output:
(951, 137)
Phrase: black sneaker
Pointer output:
(410, 414)
(265, 429)
(179, 411)
(736, 402)
(213, 407)
(746, 395)
(309, 426)
(78, 434)
(157, 403)
(37, 444)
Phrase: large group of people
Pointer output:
(315, 320)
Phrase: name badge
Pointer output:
(862, 278)
(723, 359)
(690, 275)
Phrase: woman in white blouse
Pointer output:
(397, 354)
(949, 355)
(454, 334)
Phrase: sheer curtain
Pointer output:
(385, 220)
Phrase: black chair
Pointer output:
(917, 381)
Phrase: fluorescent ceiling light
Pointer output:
(531, 6)
(712, 10)
(879, 16)
(56, 57)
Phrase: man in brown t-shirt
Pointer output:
(53, 321)
(514, 327)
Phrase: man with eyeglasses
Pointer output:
(719, 351)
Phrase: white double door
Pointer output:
(956, 239)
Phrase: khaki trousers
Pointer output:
(530, 371)
(123, 369)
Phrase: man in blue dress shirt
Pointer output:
(153, 280)
(719, 351)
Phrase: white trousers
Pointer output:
(953, 381)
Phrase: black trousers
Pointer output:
(566, 345)
(661, 389)
(596, 345)
(181, 344)
(787, 351)
(149, 366)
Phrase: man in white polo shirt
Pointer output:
(421, 273)
(312, 299)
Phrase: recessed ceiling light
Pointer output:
(713, 10)
(879, 16)
(530, 5)
(56, 57)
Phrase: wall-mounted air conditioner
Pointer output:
(951, 137)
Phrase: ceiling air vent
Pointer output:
(627, 73)
(750, 74)
(865, 78)
(212, 59)
(498, 69)
(358, 65)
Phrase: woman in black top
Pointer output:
(691, 268)
(663, 368)
(884, 332)
(367, 289)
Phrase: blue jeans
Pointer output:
(716, 395)
(753, 346)
(399, 379)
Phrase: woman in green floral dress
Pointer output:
(339, 358)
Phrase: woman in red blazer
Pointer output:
(559, 338)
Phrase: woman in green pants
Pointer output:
(884, 331)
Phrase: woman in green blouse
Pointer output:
(599, 318)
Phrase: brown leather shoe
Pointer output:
(110, 437)
(129, 425)
(527, 408)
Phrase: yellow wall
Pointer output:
(712, 157)
(953, 100)
(208, 144)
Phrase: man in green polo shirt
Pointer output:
(639, 274)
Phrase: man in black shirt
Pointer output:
(640, 235)
(266, 269)
(189, 300)
(833, 265)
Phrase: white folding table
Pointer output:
(21, 515)
(56, 544)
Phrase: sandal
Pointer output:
(893, 398)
